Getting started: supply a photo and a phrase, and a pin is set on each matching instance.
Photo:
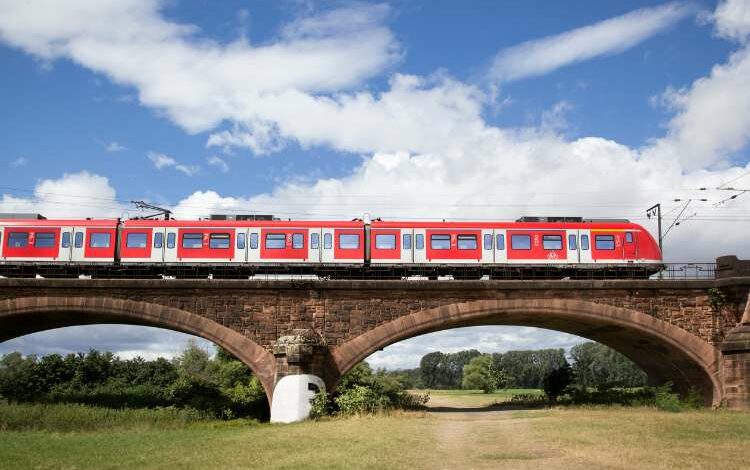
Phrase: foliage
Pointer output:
(717, 298)
(445, 370)
(557, 381)
(220, 386)
(74, 417)
(596, 365)
(481, 373)
(527, 369)
(363, 391)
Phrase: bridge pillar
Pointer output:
(736, 363)
(300, 366)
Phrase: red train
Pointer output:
(529, 247)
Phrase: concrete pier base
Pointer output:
(292, 395)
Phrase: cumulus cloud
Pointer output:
(195, 81)
(611, 36)
(74, 195)
(732, 19)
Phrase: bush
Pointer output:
(557, 381)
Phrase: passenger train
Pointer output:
(549, 247)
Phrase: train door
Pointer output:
(420, 249)
(488, 246)
(629, 248)
(315, 248)
(584, 246)
(574, 255)
(253, 245)
(240, 252)
(170, 246)
(66, 244)
(77, 249)
(501, 251)
(326, 254)
(407, 245)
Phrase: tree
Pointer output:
(445, 371)
(527, 369)
(596, 365)
(556, 381)
(479, 373)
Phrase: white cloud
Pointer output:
(732, 19)
(126, 341)
(161, 161)
(197, 82)
(486, 339)
(76, 195)
(218, 162)
(20, 161)
(113, 147)
(611, 36)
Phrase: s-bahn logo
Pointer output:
(552, 255)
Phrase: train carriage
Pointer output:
(559, 247)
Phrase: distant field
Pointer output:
(618, 438)
(473, 398)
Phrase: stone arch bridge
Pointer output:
(299, 336)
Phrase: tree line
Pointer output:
(220, 386)
(591, 364)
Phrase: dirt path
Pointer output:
(491, 439)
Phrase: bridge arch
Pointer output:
(664, 351)
(26, 315)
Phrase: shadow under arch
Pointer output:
(26, 315)
(664, 351)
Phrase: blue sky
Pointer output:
(418, 109)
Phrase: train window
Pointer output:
(1, 238)
(552, 242)
(440, 242)
(348, 241)
(219, 241)
(18, 239)
(100, 240)
(241, 241)
(406, 244)
(44, 240)
(315, 241)
(275, 241)
(572, 242)
(628, 237)
(487, 241)
(78, 240)
(253, 241)
(298, 241)
(419, 241)
(520, 242)
(65, 240)
(136, 240)
(467, 242)
(500, 241)
(170, 240)
(192, 240)
(584, 242)
(385, 242)
(158, 240)
(604, 242)
(327, 241)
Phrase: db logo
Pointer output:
(552, 255)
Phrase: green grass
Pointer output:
(473, 398)
(554, 438)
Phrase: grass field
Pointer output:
(618, 438)
(473, 398)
